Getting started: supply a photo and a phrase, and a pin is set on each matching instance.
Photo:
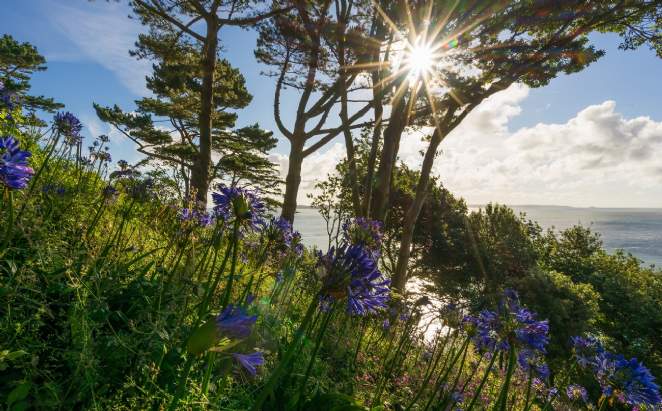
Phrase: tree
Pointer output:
(165, 127)
(476, 50)
(195, 24)
(630, 294)
(321, 42)
(18, 62)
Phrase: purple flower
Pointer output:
(457, 397)
(350, 272)
(627, 380)
(235, 323)
(586, 349)
(241, 204)
(576, 392)
(250, 361)
(14, 170)
(68, 125)
(364, 231)
(386, 324)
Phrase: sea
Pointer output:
(635, 230)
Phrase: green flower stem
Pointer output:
(502, 401)
(10, 219)
(482, 383)
(313, 355)
(235, 241)
(528, 390)
(442, 379)
(211, 357)
(276, 375)
(182, 384)
(35, 178)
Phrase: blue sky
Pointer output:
(86, 45)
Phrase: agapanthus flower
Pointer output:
(386, 324)
(241, 204)
(576, 392)
(14, 170)
(629, 381)
(457, 397)
(69, 126)
(297, 245)
(533, 334)
(202, 218)
(363, 231)
(53, 189)
(141, 190)
(280, 230)
(234, 323)
(109, 192)
(532, 360)
(586, 349)
(250, 361)
(349, 272)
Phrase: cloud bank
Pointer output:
(597, 158)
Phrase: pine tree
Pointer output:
(165, 126)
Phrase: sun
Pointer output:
(420, 60)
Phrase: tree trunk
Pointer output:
(293, 179)
(200, 172)
(399, 279)
(387, 158)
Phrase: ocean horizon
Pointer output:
(637, 231)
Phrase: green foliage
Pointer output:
(18, 62)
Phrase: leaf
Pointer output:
(203, 338)
(19, 393)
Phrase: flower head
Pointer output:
(363, 231)
(629, 381)
(576, 393)
(235, 323)
(69, 126)
(239, 203)
(350, 272)
(14, 170)
(250, 361)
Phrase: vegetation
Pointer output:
(122, 290)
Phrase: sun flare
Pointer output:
(420, 60)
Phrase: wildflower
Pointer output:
(629, 381)
(585, 350)
(53, 189)
(68, 125)
(250, 361)
(14, 170)
(386, 324)
(350, 272)
(141, 190)
(576, 392)
(280, 230)
(364, 231)
(239, 203)
(234, 322)
(297, 245)
(457, 397)
(532, 333)
(532, 360)
(109, 192)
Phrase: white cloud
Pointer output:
(104, 34)
(597, 158)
